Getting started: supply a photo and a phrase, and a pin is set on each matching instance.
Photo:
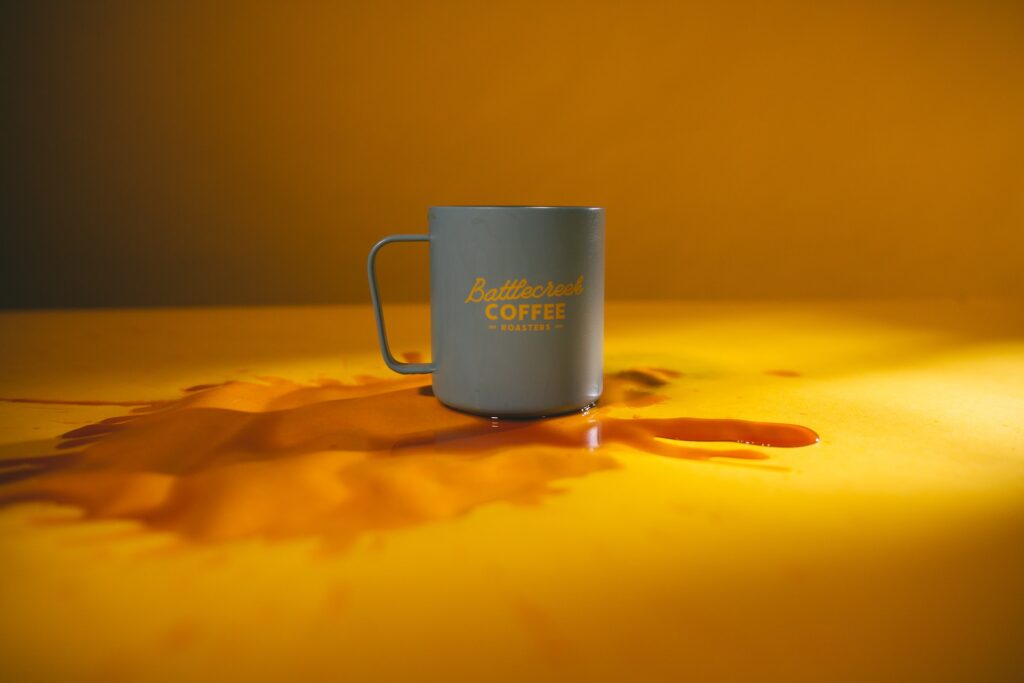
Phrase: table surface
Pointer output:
(248, 494)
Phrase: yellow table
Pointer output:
(277, 527)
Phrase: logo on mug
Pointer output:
(523, 317)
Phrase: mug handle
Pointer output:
(371, 269)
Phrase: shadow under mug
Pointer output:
(516, 308)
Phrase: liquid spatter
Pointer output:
(277, 459)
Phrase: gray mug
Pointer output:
(516, 308)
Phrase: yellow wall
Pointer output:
(252, 154)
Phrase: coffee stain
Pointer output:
(553, 647)
(334, 460)
(412, 356)
(201, 387)
(58, 402)
(181, 635)
(783, 373)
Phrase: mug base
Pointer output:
(522, 415)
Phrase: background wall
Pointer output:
(212, 154)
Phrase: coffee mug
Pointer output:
(516, 308)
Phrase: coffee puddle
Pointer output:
(336, 460)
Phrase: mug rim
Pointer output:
(528, 207)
